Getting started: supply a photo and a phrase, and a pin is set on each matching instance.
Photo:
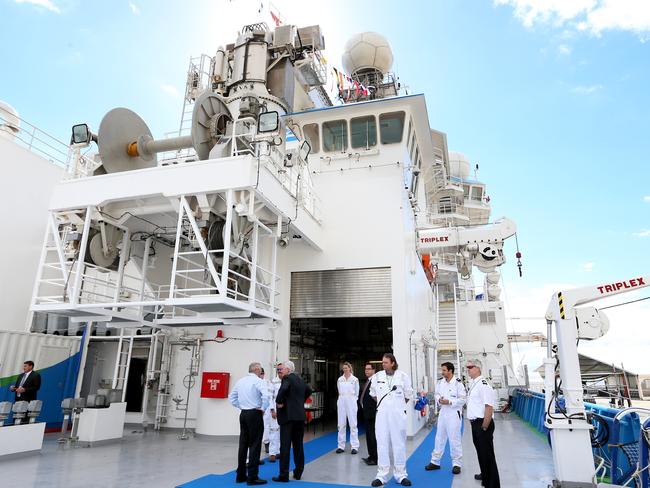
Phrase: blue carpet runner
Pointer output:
(327, 443)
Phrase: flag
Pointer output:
(275, 18)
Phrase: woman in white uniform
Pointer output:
(392, 390)
(346, 407)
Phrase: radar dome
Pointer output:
(367, 51)
(458, 165)
(9, 121)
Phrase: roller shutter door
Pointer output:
(361, 292)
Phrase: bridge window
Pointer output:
(335, 136)
(477, 193)
(391, 126)
(312, 136)
(363, 132)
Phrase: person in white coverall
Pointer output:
(346, 408)
(392, 390)
(267, 414)
(274, 428)
(450, 396)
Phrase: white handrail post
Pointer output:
(81, 259)
(179, 228)
(227, 237)
(126, 244)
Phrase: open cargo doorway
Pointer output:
(336, 316)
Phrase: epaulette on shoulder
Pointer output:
(485, 382)
(458, 379)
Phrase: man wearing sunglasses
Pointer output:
(480, 409)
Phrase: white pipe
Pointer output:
(82, 360)
(173, 143)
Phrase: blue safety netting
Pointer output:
(619, 443)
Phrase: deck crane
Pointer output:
(570, 430)
(480, 246)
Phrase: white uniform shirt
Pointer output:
(348, 386)
(382, 385)
(453, 391)
(250, 393)
(480, 394)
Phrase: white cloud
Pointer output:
(594, 16)
(588, 266)
(646, 198)
(564, 49)
(46, 4)
(643, 233)
(586, 89)
(170, 90)
(134, 8)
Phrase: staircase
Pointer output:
(122, 362)
(448, 334)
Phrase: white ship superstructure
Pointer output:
(275, 224)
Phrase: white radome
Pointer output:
(367, 50)
(9, 121)
(459, 165)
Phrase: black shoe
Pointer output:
(353, 451)
(372, 462)
(240, 480)
(280, 479)
(431, 467)
(456, 470)
(339, 450)
(478, 477)
(406, 482)
(257, 481)
(297, 476)
(376, 483)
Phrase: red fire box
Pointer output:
(215, 385)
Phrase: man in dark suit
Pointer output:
(369, 409)
(290, 403)
(27, 384)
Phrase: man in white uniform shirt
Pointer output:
(251, 396)
(450, 396)
(480, 410)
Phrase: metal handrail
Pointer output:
(37, 140)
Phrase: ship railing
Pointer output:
(246, 281)
(34, 139)
(296, 180)
(79, 165)
(97, 285)
(471, 293)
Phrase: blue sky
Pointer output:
(549, 97)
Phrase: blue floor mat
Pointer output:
(322, 445)
(313, 450)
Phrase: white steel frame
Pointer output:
(201, 282)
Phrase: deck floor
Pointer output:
(160, 459)
(523, 456)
